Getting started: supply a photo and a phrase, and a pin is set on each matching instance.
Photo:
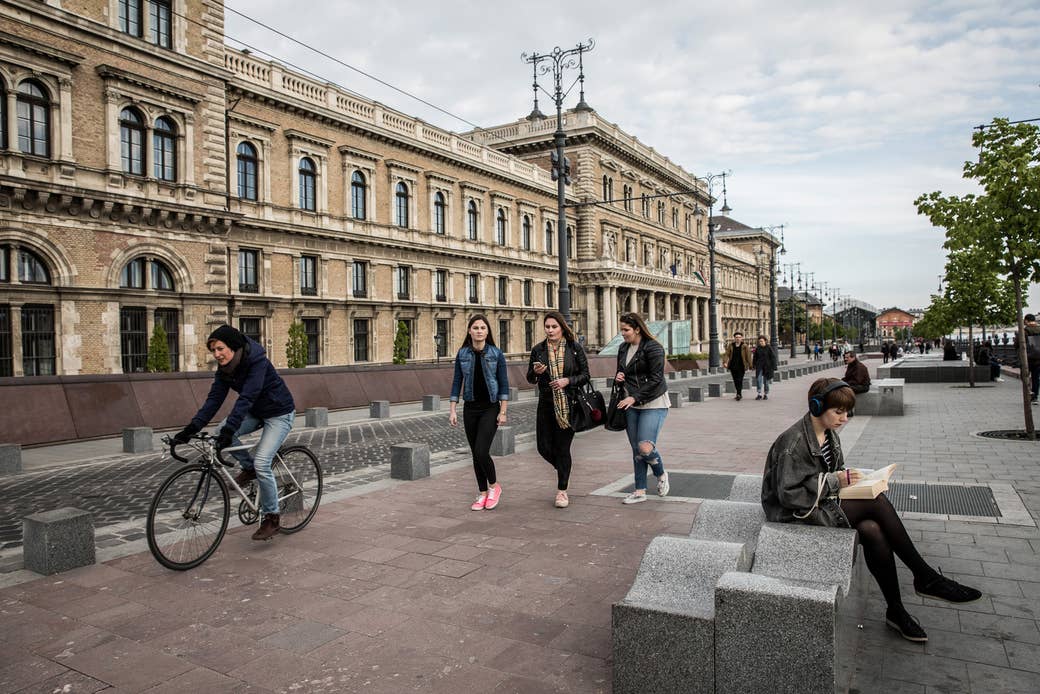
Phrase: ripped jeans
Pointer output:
(645, 425)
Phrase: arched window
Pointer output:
(358, 192)
(439, 213)
(307, 179)
(500, 227)
(401, 205)
(472, 221)
(549, 238)
(31, 269)
(131, 141)
(33, 119)
(145, 273)
(525, 233)
(247, 164)
(164, 145)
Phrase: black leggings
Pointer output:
(554, 443)
(481, 425)
(738, 380)
(882, 535)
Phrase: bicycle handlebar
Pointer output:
(205, 438)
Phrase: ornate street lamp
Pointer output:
(773, 327)
(556, 62)
(790, 275)
(713, 329)
(808, 287)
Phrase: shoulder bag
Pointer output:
(616, 419)
(589, 411)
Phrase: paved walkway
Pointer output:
(397, 586)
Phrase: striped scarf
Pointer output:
(560, 406)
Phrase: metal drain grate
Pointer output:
(693, 485)
(952, 499)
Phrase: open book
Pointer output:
(873, 483)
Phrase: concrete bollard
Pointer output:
(379, 409)
(10, 458)
(316, 416)
(514, 394)
(56, 541)
(695, 394)
(409, 461)
(714, 390)
(675, 399)
(504, 442)
(747, 383)
(137, 439)
(431, 403)
(673, 375)
(730, 387)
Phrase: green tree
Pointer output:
(158, 351)
(1002, 221)
(296, 347)
(402, 341)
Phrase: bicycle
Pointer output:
(191, 509)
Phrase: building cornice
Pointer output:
(119, 76)
(43, 50)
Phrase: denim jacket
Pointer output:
(792, 477)
(495, 374)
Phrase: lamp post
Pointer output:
(773, 328)
(790, 275)
(808, 286)
(556, 63)
(713, 328)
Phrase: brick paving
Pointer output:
(399, 587)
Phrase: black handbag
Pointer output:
(617, 420)
(588, 409)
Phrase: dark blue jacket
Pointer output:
(261, 391)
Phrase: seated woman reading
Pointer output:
(803, 475)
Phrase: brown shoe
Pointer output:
(246, 476)
(268, 527)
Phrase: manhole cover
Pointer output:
(1006, 435)
(693, 485)
(952, 499)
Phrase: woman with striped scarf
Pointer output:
(558, 365)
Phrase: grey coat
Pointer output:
(792, 475)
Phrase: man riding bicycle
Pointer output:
(263, 401)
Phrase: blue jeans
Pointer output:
(762, 382)
(275, 431)
(645, 425)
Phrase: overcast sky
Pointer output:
(831, 120)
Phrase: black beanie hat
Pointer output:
(229, 336)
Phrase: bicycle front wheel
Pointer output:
(298, 476)
(188, 517)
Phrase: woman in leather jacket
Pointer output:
(640, 367)
(805, 471)
(557, 365)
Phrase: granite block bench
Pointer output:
(884, 399)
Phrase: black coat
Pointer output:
(765, 360)
(644, 375)
(575, 367)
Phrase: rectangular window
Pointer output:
(503, 335)
(361, 339)
(159, 23)
(250, 327)
(167, 318)
(133, 339)
(312, 329)
(441, 337)
(527, 292)
(528, 335)
(248, 260)
(472, 285)
(440, 285)
(6, 355)
(404, 274)
(550, 294)
(130, 17)
(38, 340)
(5, 263)
(308, 275)
(503, 290)
(359, 279)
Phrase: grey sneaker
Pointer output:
(662, 485)
(634, 498)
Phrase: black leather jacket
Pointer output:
(575, 366)
(644, 375)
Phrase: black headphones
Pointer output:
(817, 403)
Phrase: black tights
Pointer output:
(882, 535)
(554, 443)
(481, 425)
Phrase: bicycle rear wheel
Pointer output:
(188, 517)
(298, 476)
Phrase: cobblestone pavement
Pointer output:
(120, 489)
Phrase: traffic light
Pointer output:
(554, 158)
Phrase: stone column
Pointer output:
(653, 306)
(668, 306)
(592, 322)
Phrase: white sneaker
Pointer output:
(662, 485)
(1000, 380)
(634, 498)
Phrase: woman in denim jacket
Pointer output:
(805, 471)
(485, 391)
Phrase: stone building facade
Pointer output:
(151, 175)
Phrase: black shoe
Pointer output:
(268, 527)
(765, 397)
(246, 476)
(739, 396)
(758, 397)
(942, 588)
(908, 627)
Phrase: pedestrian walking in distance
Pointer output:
(738, 360)
(764, 361)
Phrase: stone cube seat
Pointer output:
(729, 521)
(746, 488)
(884, 399)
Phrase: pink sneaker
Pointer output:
(480, 503)
(494, 494)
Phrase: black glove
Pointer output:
(185, 434)
(224, 437)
